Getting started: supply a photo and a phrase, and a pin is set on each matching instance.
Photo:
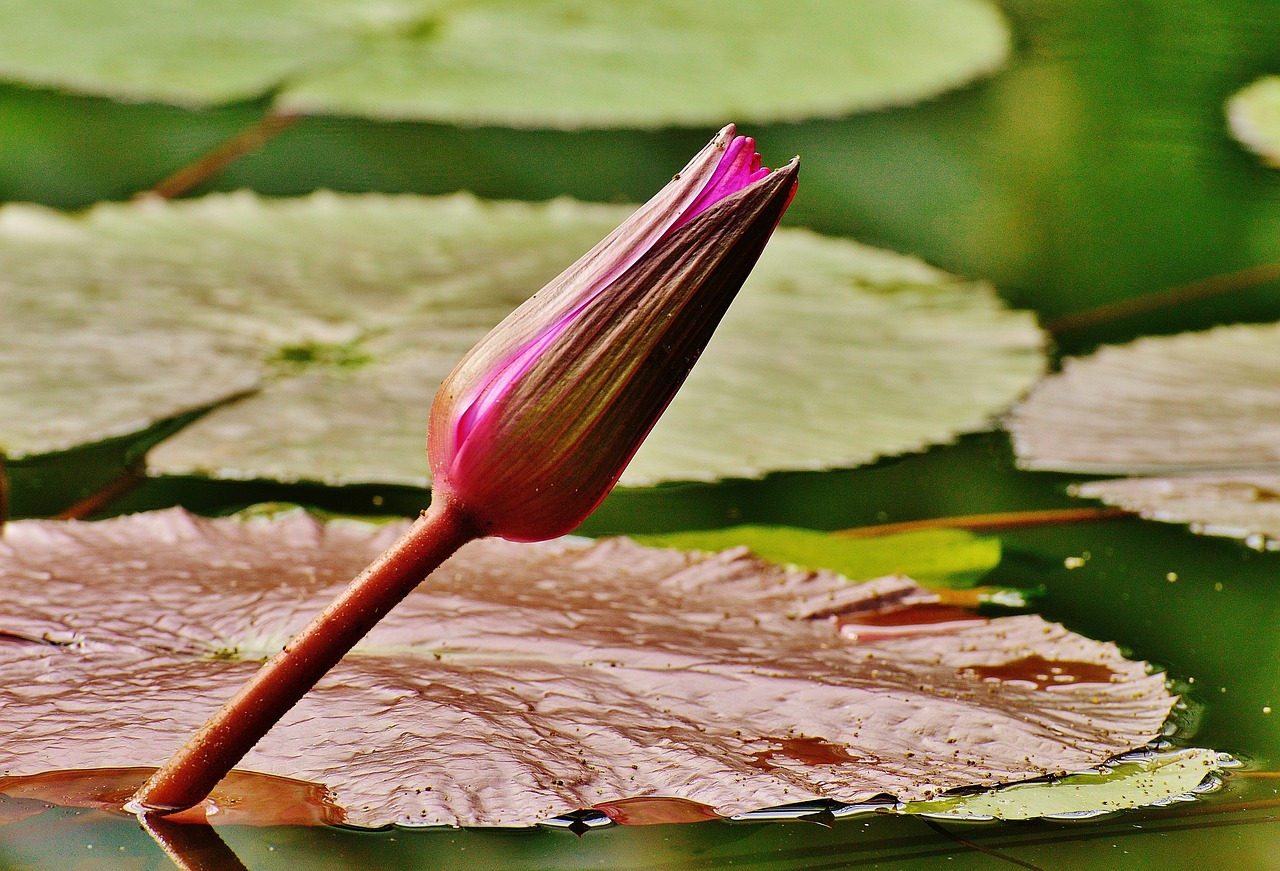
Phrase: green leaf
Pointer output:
(936, 558)
(1148, 779)
(571, 63)
(343, 313)
(1253, 114)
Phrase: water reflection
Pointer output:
(191, 846)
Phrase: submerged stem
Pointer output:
(126, 482)
(990, 522)
(215, 161)
(1207, 288)
(192, 772)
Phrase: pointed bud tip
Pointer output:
(785, 177)
(789, 175)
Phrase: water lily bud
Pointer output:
(537, 422)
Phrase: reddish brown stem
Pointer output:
(192, 772)
(978, 522)
(126, 482)
(1205, 289)
(219, 158)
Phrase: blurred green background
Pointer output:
(1095, 167)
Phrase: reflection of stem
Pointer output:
(230, 733)
(978, 522)
(996, 854)
(213, 162)
(90, 505)
(1209, 287)
(192, 847)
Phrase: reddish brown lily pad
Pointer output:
(525, 681)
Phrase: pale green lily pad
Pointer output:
(571, 63)
(1196, 401)
(935, 557)
(1197, 415)
(1140, 781)
(1244, 505)
(1253, 114)
(343, 313)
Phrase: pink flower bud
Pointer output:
(537, 422)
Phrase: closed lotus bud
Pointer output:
(537, 422)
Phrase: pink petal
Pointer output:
(739, 168)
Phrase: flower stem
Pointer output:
(990, 522)
(1139, 305)
(213, 162)
(124, 483)
(192, 772)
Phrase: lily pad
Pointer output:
(1143, 780)
(1243, 505)
(342, 314)
(934, 557)
(521, 682)
(1253, 114)
(569, 63)
(1198, 411)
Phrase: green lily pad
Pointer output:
(935, 558)
(1253, 114)
(568, 64)
(1140, 781)
(343, 313)
(1196, 415)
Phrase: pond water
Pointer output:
(1217, 832)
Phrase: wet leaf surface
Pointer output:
(556, 64)
(525, 681)
(1198, 412)
(341, 314)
